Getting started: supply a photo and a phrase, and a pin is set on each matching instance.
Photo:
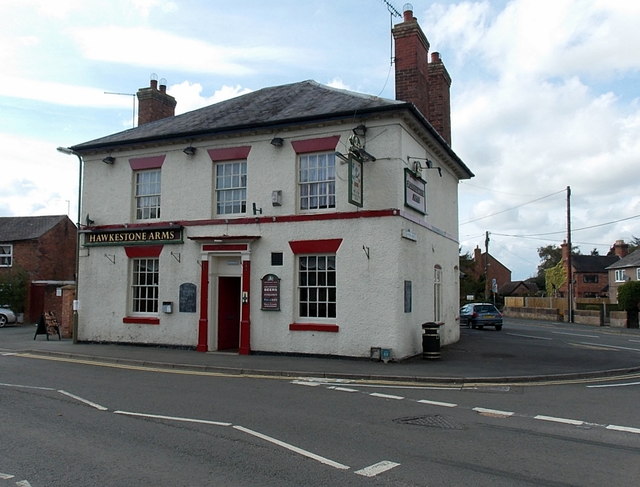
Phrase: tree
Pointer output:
(634, 244)
(469, 284)
(629, 300)
(550, 256)
(554, 278)
(13, 289)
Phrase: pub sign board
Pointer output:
(137, 236)
(270, 293)
(415, 192)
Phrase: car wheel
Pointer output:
(3, 320)
(498, 327)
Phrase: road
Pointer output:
(68, 423)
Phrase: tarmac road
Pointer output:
(524, 351)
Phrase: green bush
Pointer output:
(13, 289)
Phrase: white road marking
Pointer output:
(304, 383)
(574, 334)
(377, 468)
(84, 401)
(172, 418)
(529, 336)
(635, 341)
(493, 411)
(623, 428)
(23, 483)
(386, 396)
(6, 476)
(28, 387)
(612, 346)
(616, 385)
(294, 449)
(438, 403)
(559, 420)
(343, 389)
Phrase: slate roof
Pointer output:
(631, 260)
(273, 107)
(16, 228)
(592, 263)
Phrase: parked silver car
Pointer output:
(6, 316)
(479, 315)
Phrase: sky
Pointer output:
(544, 96)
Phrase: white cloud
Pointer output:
(189, 95)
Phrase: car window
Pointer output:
(486, 308)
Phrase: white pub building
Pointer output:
(296, 219)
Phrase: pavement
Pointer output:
(481, 356)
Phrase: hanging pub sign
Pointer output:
(415, 192)
(137, 236)
(355, 182)
(270, 293)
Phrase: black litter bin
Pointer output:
(431, 340)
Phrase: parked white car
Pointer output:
(6, 316)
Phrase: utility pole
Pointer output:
(486, 266)
(569, 265)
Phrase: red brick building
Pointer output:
(44, 247)
(494, 269)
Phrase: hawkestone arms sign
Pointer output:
(136, 236)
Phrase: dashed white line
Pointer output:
(6, 476)
(377, 468)
(529, 336)
(574, 422)
(84, 401)
(574, 334)
(493, 411)
(615, 385)
(23, 483)
(20, 386)
(386, 396)
(438, 403)
(623, 428)
(294, 449)
(172, 418)
(343, 389)
(612, 346)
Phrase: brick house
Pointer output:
(44, 247)
(483, 261)
(624, 270)
(589, 272)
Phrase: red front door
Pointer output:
(228, 313)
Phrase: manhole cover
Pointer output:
(433, 421)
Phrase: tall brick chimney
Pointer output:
(620, 248)
(153, 103)
(426, 85)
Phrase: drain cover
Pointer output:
(432, 421)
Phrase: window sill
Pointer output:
(314, 327)
(141, 320)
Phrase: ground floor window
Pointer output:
(144, 285)
(317, 286)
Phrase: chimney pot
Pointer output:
(408, 12)
(435, 57)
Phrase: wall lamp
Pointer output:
(277, 141)
(360, 130)
(109, 160)
(189, 150)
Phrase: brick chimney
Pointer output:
(153, 103)
(426, 85)
(620, 248)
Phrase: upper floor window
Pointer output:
(620, 275)
(317, 180)
(590, 278)
(148, 194)
(6, 255)
(638, 274)
(231, 187)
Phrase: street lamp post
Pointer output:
(66, 150)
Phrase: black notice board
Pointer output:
(187, 298)
(270, 293)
